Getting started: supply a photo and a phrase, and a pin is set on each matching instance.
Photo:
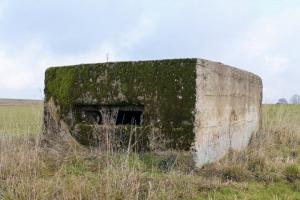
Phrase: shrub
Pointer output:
(235, 173)
(292, 172)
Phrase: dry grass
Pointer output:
(267, 169)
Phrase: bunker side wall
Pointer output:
(228, 108)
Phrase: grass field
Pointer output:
(268, 169)
(20, 119)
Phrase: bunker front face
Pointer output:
(185, 104)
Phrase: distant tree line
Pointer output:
(295, 99)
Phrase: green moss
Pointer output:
(60, 83)
(85, 134)
(166, 88)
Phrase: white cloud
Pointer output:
(23, 70)
(144, 27)
(262, 37)
(268, 48)
(275, 64)
(12, 73)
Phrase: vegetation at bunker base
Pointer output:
(267, 169)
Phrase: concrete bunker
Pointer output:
(185, 104)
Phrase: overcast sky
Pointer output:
(261, 36)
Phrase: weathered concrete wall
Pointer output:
(164, 88)
(185, 103)
(228, 107)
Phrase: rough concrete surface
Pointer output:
(183, 104)
(228, 108)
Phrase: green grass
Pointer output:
(268, 169)
(255, 190)
(21, 119)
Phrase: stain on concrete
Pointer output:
(180, 104)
